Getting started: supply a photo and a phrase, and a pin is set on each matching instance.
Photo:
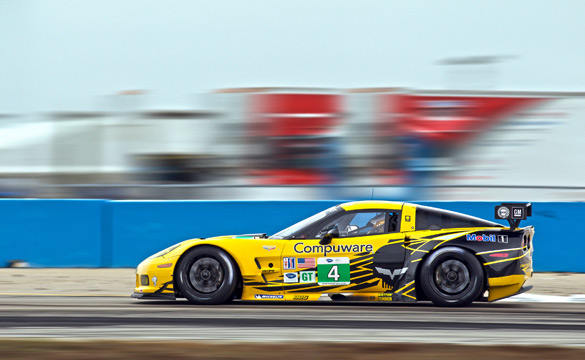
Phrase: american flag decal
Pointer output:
(306, 263)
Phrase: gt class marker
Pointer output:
(307, 276)
(333, 271)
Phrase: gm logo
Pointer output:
(517, 213)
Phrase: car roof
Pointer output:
(372, 204)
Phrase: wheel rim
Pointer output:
(206, 275)
(451, 277)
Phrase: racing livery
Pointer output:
(365, 250)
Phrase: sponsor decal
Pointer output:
(503, 212)
(407, 218)
(306, 262)
(301, 297)
(384, 297)
(289, 263)
(517, 213)
(503, 239)
(301, 248)
(291, 277)
(392, 273)
(262, 296)
(154, 280)
(388, 263)
(269, 247)
(486, 238)
(333, 271)
(267, 271)
(307, 277)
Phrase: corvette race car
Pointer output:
(365, 250)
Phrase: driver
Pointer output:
(377, 224)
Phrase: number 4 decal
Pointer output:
(333, 271)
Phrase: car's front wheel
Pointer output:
(452, 276)
(206, 275)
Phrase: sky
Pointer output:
(66, 55)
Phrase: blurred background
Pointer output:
(302, 100)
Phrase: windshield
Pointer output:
(291, 230)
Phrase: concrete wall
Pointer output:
(103, 233)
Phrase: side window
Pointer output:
(394, 222)
(357, 224)
(428, 218)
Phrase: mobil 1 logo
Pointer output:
(333, 271)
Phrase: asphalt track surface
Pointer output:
(123, 318)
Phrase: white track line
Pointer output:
(575, 298)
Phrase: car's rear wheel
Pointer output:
(452, 276)
(206, 275)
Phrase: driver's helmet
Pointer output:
(377, 223)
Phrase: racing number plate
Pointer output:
(333, 271)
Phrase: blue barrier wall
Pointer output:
(102, 233)
(52, 233)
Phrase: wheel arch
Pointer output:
(238, 267)
(420, 294)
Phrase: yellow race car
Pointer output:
(357, 251)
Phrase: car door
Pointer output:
(348, 263)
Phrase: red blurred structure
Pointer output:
(450, 120)
(420, 131)
(295, 135)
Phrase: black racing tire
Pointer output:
(452, 276)
(207, 275)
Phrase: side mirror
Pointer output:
(326, 239)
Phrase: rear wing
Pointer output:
(514, 213)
